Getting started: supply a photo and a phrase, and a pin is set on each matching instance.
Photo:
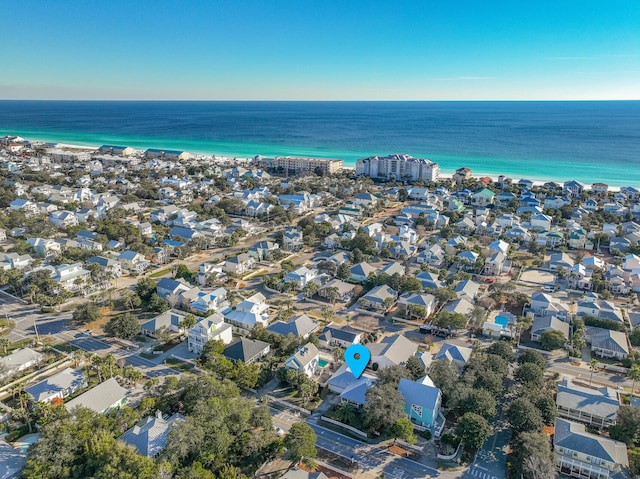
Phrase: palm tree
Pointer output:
(346, 412)
(109, 361)
(332, 294)
(96, 363)
(4, 344)
(327, 313)
(634, 373)
(522, 324)
(593, 365)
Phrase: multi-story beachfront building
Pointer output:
(398, 167)
(299, 164)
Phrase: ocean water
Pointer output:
(588, 141)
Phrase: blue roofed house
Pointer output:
(459, 355)
(168, 286)
(209, 301)
(150, 435)
(301, 326)
(597, 407)
(133, 261)
(361, 271)
(300, 277)
(422, 403)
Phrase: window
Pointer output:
(588, 458)
(561, 450)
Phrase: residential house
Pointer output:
(422, 403)
(212, 328)
(497, 264)
(72, 277)
(60, 385)
(460, 306)
(300, 277)
(150, 435)
(597, 407)
(133, 261)
(239, 265)
(170, 321)
(430, 280)
(547, 323)
(45, 248)
(483, 197)
(203, 302)
(426, 301)
(381, 297)
(540, 222)
(361, 271)
(606, 343)
(301, 326)
(391, 351)
(344, 337)
(573, 188)
(292, 239)
(110, 267)
(598, 308)
(393, 268)
(264, 250)
(560, 262)
(246, 350)
(29, 208)
(18, 361)
(63, 219)
(304, 360)
(167, 287)
(459, 355)
(544, 304)
(102, 398)
(344, 290)
(577, 453)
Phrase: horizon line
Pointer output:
(321, 101)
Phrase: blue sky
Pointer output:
(320, 50)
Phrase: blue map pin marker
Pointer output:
(357, 357)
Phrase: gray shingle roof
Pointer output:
(601, 402)
(150, 436)
(244, 349)
(573, 436)
(66, 380)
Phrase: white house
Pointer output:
(304, 360)
(212, 328)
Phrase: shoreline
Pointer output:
(446, 174)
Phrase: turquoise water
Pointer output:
(322, 363)
(587, 141)
(502, 321)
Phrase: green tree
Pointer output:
(447, 320)
(634, 374)
(473, 430)
(402, 428)
(552, 339)
(384, 405)
(415, 368)
(524, 416)
(300, 442)
(627, 428)
(532, 445)
(502, 349)
(393, 374)
(188, 322)
(530, 375)
(346, 412)
(85, 313)
(182, 271)
(343, 272)
(532, 356)
(156, 304)
(123, 326)
(4, 344)
(480, 401)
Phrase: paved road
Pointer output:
(27, 317)
(564, 367)
(368, 457)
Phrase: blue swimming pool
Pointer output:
(502, 321)
(322, 363)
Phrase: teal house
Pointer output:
(422, 402)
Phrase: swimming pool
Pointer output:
(322, 363)
(502, 321)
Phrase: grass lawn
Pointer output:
(178, 365)
(66, 347)
(158, 274)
